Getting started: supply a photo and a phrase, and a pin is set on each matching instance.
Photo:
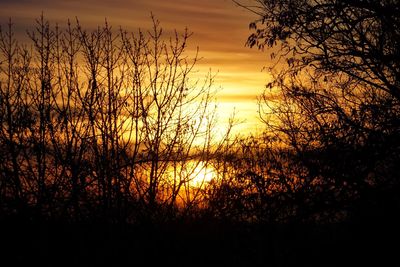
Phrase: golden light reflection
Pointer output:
(200, 174)
(197, 175)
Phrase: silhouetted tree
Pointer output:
(102, 124)
(335, 103)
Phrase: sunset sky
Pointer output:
(220, 31)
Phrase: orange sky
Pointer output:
(220, 31)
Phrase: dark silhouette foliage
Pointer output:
(333, 103)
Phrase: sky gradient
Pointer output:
(220, 30)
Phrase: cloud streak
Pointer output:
(220, 31)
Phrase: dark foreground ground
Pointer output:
(373, 242)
